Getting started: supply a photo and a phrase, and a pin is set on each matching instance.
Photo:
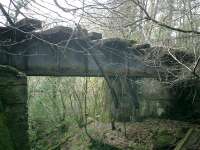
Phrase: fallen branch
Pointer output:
(185, 139)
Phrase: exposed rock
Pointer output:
(56, 34)
(94, 36)
(28, 24)
(20, 31)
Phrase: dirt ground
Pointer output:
(150, 134)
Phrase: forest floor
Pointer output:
(147, 135)
(150, 134)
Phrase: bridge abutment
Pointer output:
(13, 110)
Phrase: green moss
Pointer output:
(9, 71)
(5, 140)
(98, 145)
(180, 133)
(163, 140)
(138, 146)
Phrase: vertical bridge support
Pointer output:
(13, 110)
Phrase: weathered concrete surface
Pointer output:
(63, 51)
(148, 97)
(139, 98)
(13, 110)
(154, 98)
(126, 91)
(55, 53)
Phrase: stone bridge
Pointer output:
(47, 55)
(61, 51)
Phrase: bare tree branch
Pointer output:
(6, 15)
(149, 18)
(18, 9)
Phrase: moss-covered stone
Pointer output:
(10, 71)
(163, 140)
(5, 139)
(13, 109)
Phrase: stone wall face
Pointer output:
(154, 98)
(128, 105)
(138, 98)
(13, 109)
(150, 98)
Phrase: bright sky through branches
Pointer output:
(47, 11)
